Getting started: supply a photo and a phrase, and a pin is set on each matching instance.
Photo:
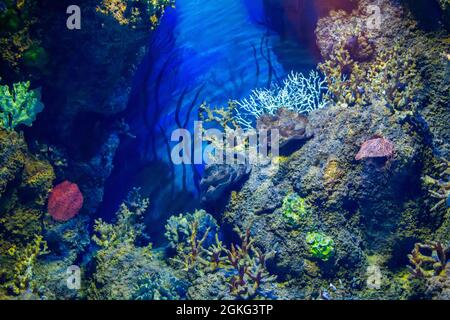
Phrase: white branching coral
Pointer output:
(297, 93)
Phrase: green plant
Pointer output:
(294, 208)
(19, 105)
(321, 246)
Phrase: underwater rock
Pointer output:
(25, 182)
(407, 68)
(355, 205)
(293, 129)
(65, 201)
(218, 179)
(12, 156)
(210, 286)
(91, 175)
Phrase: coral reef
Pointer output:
(361, 180)
(135, 13)
(25, 183)
(25, 262)
(249, 265)
(430, 262)
(190, 234)
(298, 93)
(119, 258)
(19, 48)
(441, 185)
(242, 268)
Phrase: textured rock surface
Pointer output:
(219, 179)
(293, 129)
(362, 208)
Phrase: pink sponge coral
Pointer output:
(377, 147)
(65, 201)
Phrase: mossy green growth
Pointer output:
(294, 208)
(321, 246)
(19, 105)
(35, 56)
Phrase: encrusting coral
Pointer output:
(135, 13)
(119, 257)
(294, 208)
(440, 186)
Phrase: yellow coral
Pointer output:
(38, 175)
(129, 12)
(23, 268)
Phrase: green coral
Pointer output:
(321, 246)
(247, 263)
(128, 227)
(121, 258)
(243, 266)
(190, 234)
(294, 208)
(19, 105)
